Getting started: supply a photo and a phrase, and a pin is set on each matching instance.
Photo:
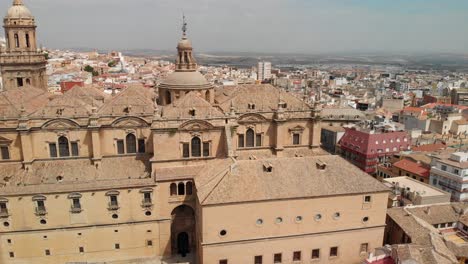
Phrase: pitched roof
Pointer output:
(134, 99)
(367, 143)
(249, 181)
(191, 101)
(27, 98)
(413, 167)
(430, 147)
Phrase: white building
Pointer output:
(264, 70)
(449, 172)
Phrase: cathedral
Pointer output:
(186, 172)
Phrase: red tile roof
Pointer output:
(370, 144)
(430, 147)
(413, 167)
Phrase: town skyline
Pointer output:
(312, 27)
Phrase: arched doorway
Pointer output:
(182, 230)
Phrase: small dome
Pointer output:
(186, 81)
(19, 10)
(184, 43)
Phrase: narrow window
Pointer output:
(74, 149)
(81, 249)
(277, 258)
(367, 199)
(5, 153)
(64, 148)
(41, 206)
(113, 201)
(130, 141)
(189, 188)
(316, 253)
(168, 97)
(258, 260)
(147, 197)
(196, 147)
(53, 150)
(223, 261)
(3, 209)
(206, 149)
(17, 44)
(117, 246)
(296, 139)
(296, 256)
(173, 189)
(12, 254)
(186, 150)
(47, 252)
(334, 252)
(250, 138)
(76, 205)
(258, 140)
(28, 44)
(19, 82)
(120, 147)
(364, 247)
(181, 189)
(141, 146)
(241, 140)
(149, 243)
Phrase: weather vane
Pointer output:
(184, 26)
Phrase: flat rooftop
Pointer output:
(415, 186)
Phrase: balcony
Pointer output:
(146, 203)
(75, 210)
(4, 214)
(41, 211)
(113, 206)
(446, 174)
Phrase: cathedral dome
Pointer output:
(186, 81)
(19, 10)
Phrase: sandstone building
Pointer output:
(219, 174)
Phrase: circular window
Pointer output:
(279, 220)
(336, 215)
(115, 216)
(147, 213)
(365, 219)
(222, 233)
(6, 224)
(299, 218)
(259, 221)
(318, 217)
(43, 222)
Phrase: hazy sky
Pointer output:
(305, 26)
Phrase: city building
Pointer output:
(194, 174)
(264, 70)
(406, 166)
(449, 172)
(21, 63)
(408, 191)
(367, 147)
(330, 137)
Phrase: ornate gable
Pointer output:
(60, 124)
(252, 118)
(5, 141)
(129, 121)
(196, 125)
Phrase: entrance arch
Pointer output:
(182, 230)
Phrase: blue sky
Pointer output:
(302, 26)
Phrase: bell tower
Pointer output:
(21, 63)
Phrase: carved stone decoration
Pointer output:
(130, 121)
(297, 129)
(60, 124)
(252, 118)
(196, 125)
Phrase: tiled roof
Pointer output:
(413, 167)
(231, 181)
(429, 147)
(370, 143)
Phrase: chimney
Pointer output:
(321, 165)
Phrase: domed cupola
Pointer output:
(186, 77)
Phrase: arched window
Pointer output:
(196, 147)
(168, 97)
(173, 189)
(250, 138)
(181, 189)
(28, 44)
(64, 149)
(207, 96)
(189, 188)
(17, 40)
(130, 141)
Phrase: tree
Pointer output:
(112, 63)
(88, 68)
